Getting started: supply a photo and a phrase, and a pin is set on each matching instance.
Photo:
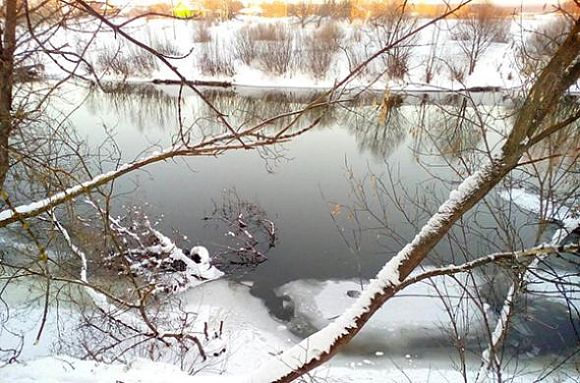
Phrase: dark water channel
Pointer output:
(302, 185)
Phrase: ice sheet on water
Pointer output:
(532, 202)
(250, 333)
(567, 218)
(20, 328)
(416, 315)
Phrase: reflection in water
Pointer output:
(145, 106)
(381, 128)
(438, 124)
(247, 111)
(452, 130)
(309, 246)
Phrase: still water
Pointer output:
(298, 184)
(305, 186)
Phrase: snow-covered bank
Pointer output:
(249, 333)
(60, 369)
(65, 369)
(252, 336)
(207, 52)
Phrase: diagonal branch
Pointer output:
(207, 148)
(538, 107)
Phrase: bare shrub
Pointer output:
(259, 41)
(214, 60)
(268, 32)
(249, 233)
(334, 9)
(354, 51)
(356, 34)
(166, 46)
(474, 32)
(330, 33)
(542, 44)
(320, 48)
(277, 55)
(456, 72)
(397, 65)
(355, 57)
(303, 11)
(430, 66)
(244, 45)
(202, 31)
(125, 61)
(390, 22)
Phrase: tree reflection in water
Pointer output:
(448, 124)
(145, 106)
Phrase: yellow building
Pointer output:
(188, 9)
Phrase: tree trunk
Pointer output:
(7, 47)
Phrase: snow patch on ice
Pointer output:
(562, 214)
(416, 314)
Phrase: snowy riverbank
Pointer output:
(252, 337)
(208, 52)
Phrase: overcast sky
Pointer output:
(506, 2)
(499, 2)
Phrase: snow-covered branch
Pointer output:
(134, 319)
(512, 256)
(148, 254)
(33, 209)
(214, 146)
(541, 101)
(568, 221)
(98, 298)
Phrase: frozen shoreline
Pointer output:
(252, 336)
(327, 87)
(497, 70)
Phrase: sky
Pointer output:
(506, 2)
(511, 2)
(499, 2)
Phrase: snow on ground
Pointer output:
(65, 369)
(20, 324)
(250, 334)
(252, 337)
(62, 369)
(497, 68)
